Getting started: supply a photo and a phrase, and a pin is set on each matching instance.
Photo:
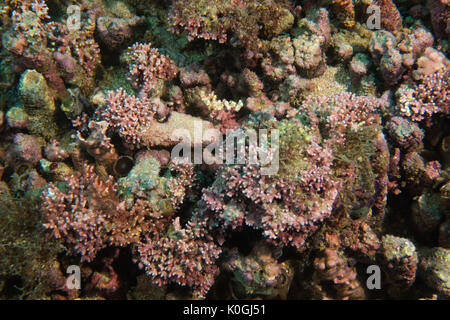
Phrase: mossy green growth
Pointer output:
(38, 103)
(27, 255)
(294, 138)
(71, 105)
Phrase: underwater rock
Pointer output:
(59, 171)
(115, 32)
(430, 62)
(142, 177)
(405, 134)
(444, 234)
(38, 103)
(399, 259)
(25, 148)
(359, 66)
(391, 19)
(440, 12)
(73, 104)
(162, 134)
(433, 268)
(309, 57)
(427, 213)
(258, 274)
(54, 151)
(330, 266)
(17, 118)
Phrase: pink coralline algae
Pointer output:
(83, 215)
(148, 66)
(186, 256)
(346, 111)
(127, 114)
(217, 149)
(282, 208)
(426, 97)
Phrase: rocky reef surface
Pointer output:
(344, 104)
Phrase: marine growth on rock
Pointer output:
(225, 149)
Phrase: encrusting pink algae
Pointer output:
(259, 149)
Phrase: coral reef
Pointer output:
(258, 273)
(331, 267)
(259, 149)
(434, 268)
(399, 258)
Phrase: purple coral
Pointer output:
(426, 97)
(186, 256)
(346, 111)
(147, 66)
(127, 114)
(292, 220)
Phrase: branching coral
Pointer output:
(95, 116)
(147, 66)
(287, 209)
(243, 20)
(134, 119)
(186, 256)
(127, 114)
(88, 215)
(428, 96)
(84, 215)
(346, 112)
(290, 205)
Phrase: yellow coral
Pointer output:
(215, 104)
